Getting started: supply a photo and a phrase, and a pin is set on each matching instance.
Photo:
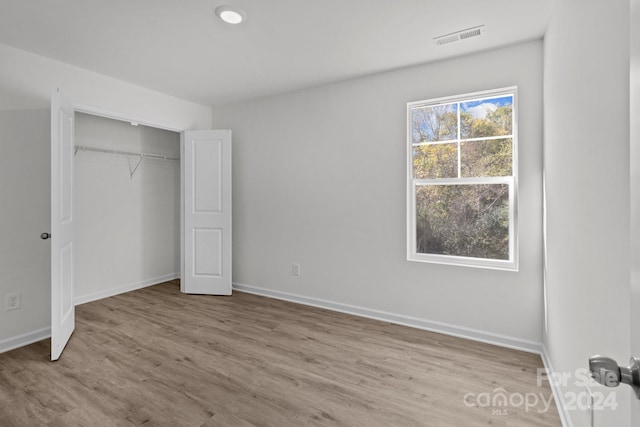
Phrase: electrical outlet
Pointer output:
(12, 301)
(295, 269)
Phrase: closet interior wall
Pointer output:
(127, 226)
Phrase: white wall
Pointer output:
(319, 179)
(127, 228)
(26, 82)
(587, 175)
(25, 195)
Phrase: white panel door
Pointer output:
(206, 212)
(62, 306)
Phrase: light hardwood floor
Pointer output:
(157, 357)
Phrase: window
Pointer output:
(462, 180)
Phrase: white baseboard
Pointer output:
(400, 319)
(122, 289)
(558, 395)
(24, 339)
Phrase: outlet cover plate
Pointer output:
(295, 269)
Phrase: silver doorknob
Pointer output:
(606, 371)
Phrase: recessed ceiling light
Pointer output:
(231, 14)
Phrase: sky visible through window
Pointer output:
(478, 109)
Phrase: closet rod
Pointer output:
(125, 153)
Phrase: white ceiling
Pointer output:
(179, 47)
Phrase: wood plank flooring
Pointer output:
(156, 357)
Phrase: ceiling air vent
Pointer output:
(459, 35)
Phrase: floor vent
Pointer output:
(459, 35)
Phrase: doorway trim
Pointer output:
(138, 120)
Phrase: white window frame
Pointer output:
(512, 181)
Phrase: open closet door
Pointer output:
(62, 306)
(206, 212)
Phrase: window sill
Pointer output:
(490, 264)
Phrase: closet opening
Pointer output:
(126, 184)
